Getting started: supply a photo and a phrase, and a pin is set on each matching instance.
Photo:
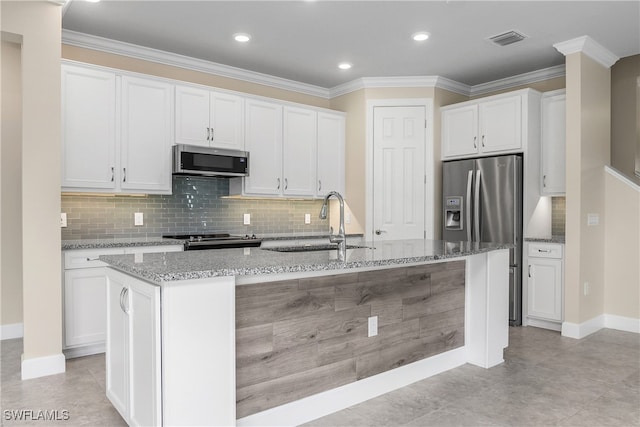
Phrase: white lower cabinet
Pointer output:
(84, 297)
(133, 350)
(545, 285)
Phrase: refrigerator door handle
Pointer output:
(476, 208)
(468, 213)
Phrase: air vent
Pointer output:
(507, 38)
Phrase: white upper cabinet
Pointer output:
(146, 135)
(488, 126)
(553, 143)
(209, 119)
(263, 141)
(299, 152)
(88, 128)
(116, 132)
(330, 172)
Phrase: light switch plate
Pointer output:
(307, 218)
(247, 219)
(63, 219)
(593, 219)
(373, 326)
(138, 218)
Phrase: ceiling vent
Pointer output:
(507, 38)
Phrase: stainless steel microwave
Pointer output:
(204, 161)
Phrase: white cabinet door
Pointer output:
(331, 154)
(226, 121)
(263, 140)
(144, 354)
(85, 316)
(192, 116)
(545, 289)
(460, 131)
(117, 354)
(501, 124)
(146, 135)
(299, 148)
(553, 144)
(88, 128)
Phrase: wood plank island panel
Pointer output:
(296, 338)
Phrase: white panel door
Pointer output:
(144, 354)
(460, 131)
(85, 313)
(553, 145)
(263, 141)
(146, 135)
(399, 173)
(330, 171)
(192, 116)
(117, 350)
(299, 150)
(501, 124)
(545, 289)
(88, 128)
(226, 121)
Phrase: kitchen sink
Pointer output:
(312, 248)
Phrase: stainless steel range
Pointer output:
(193, 242)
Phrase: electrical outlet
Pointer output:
(593, 219)
(138, 218)
(587, 289)
(347, 217)
(63, 219)
(247, 219)
(307, 218)
(373, 326)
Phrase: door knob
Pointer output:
(379, 232)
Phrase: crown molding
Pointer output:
(519, 80)
(589, 47)
(172, 59)
(158, 56)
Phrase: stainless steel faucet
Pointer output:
(340, 238)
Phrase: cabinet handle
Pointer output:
(208, 134)
(112, 174)
(93, 259)
(544, 251)
(482, 141)
(529, 270)
(124, 174)
(278, 184)
(475, 139)
(544, 181)
(213, 134)
(286, 183)
(121, 296)
(319, 185)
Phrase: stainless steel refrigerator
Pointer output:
(482, 201)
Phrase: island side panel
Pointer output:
(296, 338)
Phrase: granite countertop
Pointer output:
(117, 243)
(552, 239)
(174, 266)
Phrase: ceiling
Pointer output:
(304, 41)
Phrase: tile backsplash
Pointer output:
(196, 205)
(558, 215)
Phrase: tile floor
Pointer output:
(546, 380)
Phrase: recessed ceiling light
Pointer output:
(344, 65)
(421, 36)
(242, 37)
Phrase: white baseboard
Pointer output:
(627, 324)
(325, 403)
(43, 366)
(11, 331)
(545, 324)
(611, 321)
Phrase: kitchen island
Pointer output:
(257, 336)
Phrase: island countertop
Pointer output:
(159, 268)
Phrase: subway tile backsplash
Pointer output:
(558, 215)
(196, 205)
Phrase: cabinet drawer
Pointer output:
(87, 258)
(545, 250)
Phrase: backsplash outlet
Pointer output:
(195, 205)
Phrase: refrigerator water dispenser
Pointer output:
(453, 213)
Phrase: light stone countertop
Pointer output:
(117, 243)
(169, 267)
(552, 239)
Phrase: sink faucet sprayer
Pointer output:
(339, 238)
